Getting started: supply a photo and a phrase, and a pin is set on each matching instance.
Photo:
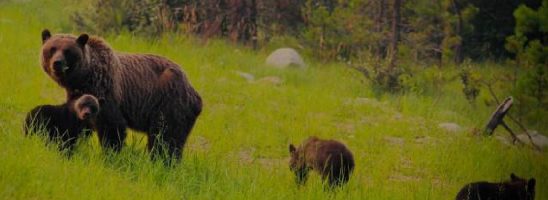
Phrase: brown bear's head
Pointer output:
(63, 56)
(525, 188)
(297, 163)
(86, 107)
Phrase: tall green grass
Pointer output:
(239, 147)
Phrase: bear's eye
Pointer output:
(93, 109)
(49, 52)
(67, 53)
(70, 54)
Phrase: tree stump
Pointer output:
(498, 116)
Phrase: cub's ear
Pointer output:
(82, 39)
(292, 148)
(531, 184)
(45, 35)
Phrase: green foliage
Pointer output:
(532, 87)
(532, 95)
(146, 17)
(340, 33)
(529, 45)
(526, 20)
(471, 81)
(457, 25)
(491, 26)
(426, 34)
(432, 29)
(427, 80)
(543, 17)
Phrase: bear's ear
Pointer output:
(531, 184)
(513, 177)
(45, 35)
(292, 148)
(82, 39)
(102, 101)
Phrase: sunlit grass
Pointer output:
(239, 147)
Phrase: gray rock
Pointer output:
(274, 80)
(423, 139)
(285, 57)
(199, 143)
(450, 127)
(394, 140)
(397, 116)
(539, 139)
(249, 77)
(504, 140)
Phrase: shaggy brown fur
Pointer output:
(515, 189)
(144, 92)
(64, 123)
(330, 158)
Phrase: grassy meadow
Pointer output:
(239, 146)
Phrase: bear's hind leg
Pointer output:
(166, 143)
(168, 137)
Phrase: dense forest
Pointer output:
(439, 31)
(387, 41)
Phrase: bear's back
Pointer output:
(329, 154)
(486, 190)
(46, 117)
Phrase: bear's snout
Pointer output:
(59, 66)
(86, 113)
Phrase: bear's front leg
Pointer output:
(68, 143)
(301, 176)
(111, 127)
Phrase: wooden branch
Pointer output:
(526, 132)
(492, 92)
(363, 70)
(514, 138)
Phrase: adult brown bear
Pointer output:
(147, 93)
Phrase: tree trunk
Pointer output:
(253, 24)
(458, 29)
(395, 33)
(380, 48)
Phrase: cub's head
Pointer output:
(86, 107)
(63, 56)
(297, 163)
(523, 187)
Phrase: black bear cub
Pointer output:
(515, 189)
(330, 158)
(66, 122)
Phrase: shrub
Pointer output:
(148, 17)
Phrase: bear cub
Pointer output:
(66, 122)
(330, 158)
(515, 189)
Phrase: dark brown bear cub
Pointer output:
(515, 189)
(330, 158)
(64, 123)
